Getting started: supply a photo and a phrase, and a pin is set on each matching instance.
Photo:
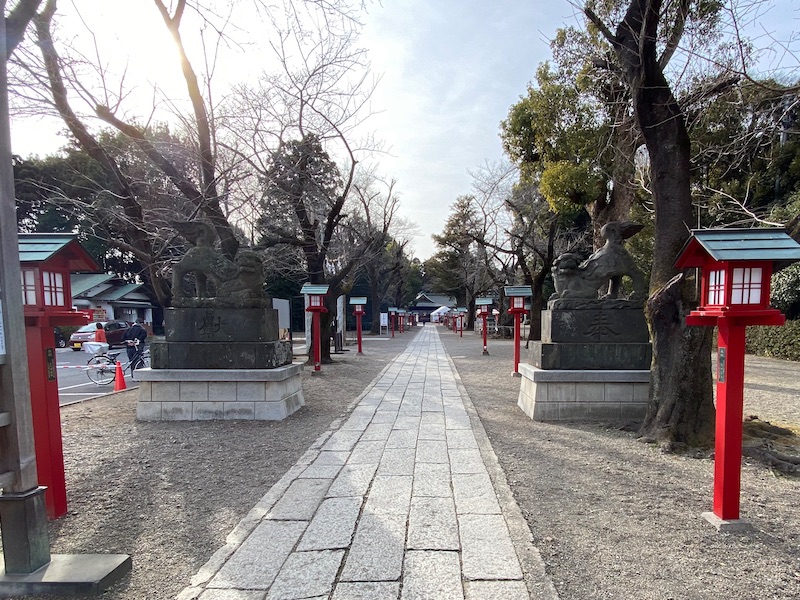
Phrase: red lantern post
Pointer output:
(517, 295)
(736, 266)
(358, 312)
(316, 305)
(484, 304)
(46, 261)
(392, 316)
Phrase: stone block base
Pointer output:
(561, 395)
(208, 394)
(589, 355)
(220, 355)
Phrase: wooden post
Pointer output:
(730, 400)
(28, 548)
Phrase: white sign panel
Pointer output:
(282, 306)
(384, 319)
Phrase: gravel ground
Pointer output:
(613, 518)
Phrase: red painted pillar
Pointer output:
(517, 322)
(392, 318)
(728, 443)
(317, 343)
(460, 325)
(46, 418)
(485, 346)
(358, 329)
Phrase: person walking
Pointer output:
(100, 334)
(134, 340)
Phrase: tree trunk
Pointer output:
(681, 401)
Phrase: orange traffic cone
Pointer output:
(119, 379)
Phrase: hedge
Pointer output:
(777, 342)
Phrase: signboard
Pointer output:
(284, 313)
(384, 319)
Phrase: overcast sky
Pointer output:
(450, 71)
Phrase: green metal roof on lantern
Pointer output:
(518, 290)
(39, 247)
(484, 301)
(358, 300)
(313, 289)
(728, 245)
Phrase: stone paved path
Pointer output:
(394, 503)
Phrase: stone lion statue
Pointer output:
(241, 278)
(603, 269)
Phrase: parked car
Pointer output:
(114, 332)
(61, 342)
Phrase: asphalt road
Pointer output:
(74, 384)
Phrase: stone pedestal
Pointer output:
(586, 395)
(220, 363)
(206, 394)
(592, 339)
(592, 364)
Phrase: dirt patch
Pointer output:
(615, 518)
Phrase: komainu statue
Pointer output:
(217, 278)
(603, 269)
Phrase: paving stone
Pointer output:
(474, 494)
(486, 548)
(367, 452)
(431, 479)
(461, 438)
(321, 472)
(466, 460)
(434, 575)
(332, 527)
(432, 524)
(353, 480)
(300, 501)
(373, 590)
(306, 574)
(384, 416)
(495, 590)
(432, 406)
(377, 431)
(389, 494)
(397, 461)
(256, 563)
(342, 440)
(407, 422)
(377, 550)
(331, 458)
(232, 595)
(432, 451)
(402, 438)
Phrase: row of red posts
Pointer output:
(315, 294)
(517, 296)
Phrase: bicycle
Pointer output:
(103, 367)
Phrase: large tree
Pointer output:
(681, 402)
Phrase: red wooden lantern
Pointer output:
(735, 270)
(484, 305)
(46, 261)
(358, 311)
(517, 294)
(316, 305)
